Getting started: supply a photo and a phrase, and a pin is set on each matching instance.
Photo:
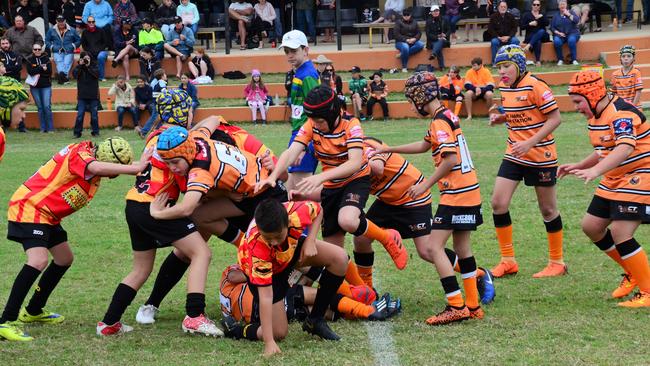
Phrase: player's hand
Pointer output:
(263, 183)
(295, 195)
(267, 161)
(309, 184)
(159, 204)
(478, 91)
(521, 148)
(586, 174)
(416, 191)
(299, 159)
(271, 348)
(378, 150)
(497, 118)
(144, 158)
(308, 250)
(565, 169)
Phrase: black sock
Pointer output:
(449, 284)
(171, 271)
(329, 284)
(122, 298)
(249, 331)
(314, 273)
(23, 282)
(230, 234)
(364, 259)
(195, 304)
(453, 258)
(50, 278)
(606, 243)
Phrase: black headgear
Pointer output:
(322, 102)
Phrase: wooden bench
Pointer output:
(210, 32)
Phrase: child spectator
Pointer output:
(144, 101)
(378, 94)
(159, 82)
(256, 93)
(626, 82)
(201, 66)
(358, 91)
(451, 88)
(192, 91)
(148, 63)
(479, 84)
(124, 101)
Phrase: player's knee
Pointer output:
(339, 262)
(348, 219)
(548, 212)
(426, 252)
(65, 261)
(591, 229)
(280, 334)
(498, 205)
(38, 261)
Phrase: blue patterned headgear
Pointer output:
(173, 106)
(512, 53)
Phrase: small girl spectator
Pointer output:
(358, 92)
(191, 90)
(256, 93)
(124, 101)
(451, 88)
(148, 63)
(144, 102)
(378, 94)
(201, 66)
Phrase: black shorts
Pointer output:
(619, 210)
(149, 233)
(410, 222)
(457, 218)
(450, 94)
(355, 193)
(536, 177)
(36, 235)
(248, 205)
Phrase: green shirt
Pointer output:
(359, 85)
(153, 37)
(304, 80)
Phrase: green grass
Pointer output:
(561, 321)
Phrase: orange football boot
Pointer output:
(552, 270)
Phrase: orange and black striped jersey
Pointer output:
(244, 140)
(259, 260)
(236, 298)
(479, 78)
(626, 85)
(460, 187)
(527, 104)
(59, 188)
(222, 166)
(399, 175)
(621, 123)
(332, 147)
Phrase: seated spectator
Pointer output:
(61, 41)
(535, 23)
(26, 10)
(407, 38)
(22, 37)
(502, 28)
(242, 13)
(451, 89)
(158, 84)
(191, 90)
(437, 31)
(189, 14)
(326, 5)
(102, 12)
(87, 76)
(152, 38)
(124, 10)
(581, 8)
(39, 66)
(329, 78)
(564, 27)
(126, 47)
(144, 101)
(180, 42)
(479, 84)
(124, 101)
(358, 91)
(79, 7)
(392, 11)
(262, 23)
(378, 94)
(95, 42)
(321, 63)
(452, 13)
(68, 11)
(165, 15)
(148, 63)
(10, 59)
(200, 65)
(255, 93)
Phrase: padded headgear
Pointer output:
(173, 106)
(628, 48)
(421, 88)
(114, 150)
(175, 142)
(322, 102)
(512, 53)
(589, 84)
(11, 93)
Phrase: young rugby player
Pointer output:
(531, 115)
(621, 138)
(626, 82)
(62, 186)
(13, 101)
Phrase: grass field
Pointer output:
(559, 321)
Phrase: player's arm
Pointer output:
(352, 165)
(161, 210)
(552, 122)
(611, 161)
(211, 123)
(288, 156)
(637, 98)
(412, 148)
(377, 167)
(448, 161)
(309, 246)
(104, 169)
(266, 320)
(586, 163)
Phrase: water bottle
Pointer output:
(276, 100)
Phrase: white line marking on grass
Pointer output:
(381, 340)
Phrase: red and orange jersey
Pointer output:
(399, 175)
(235, 297)
(455, 84)
(460, 187)
(222, 166)
(245, 140)
(259, 260)
(332, 147)
(59, 188)
(479, 78)
(621, 123)
(3, 140)
(626, 85)
(527, 105)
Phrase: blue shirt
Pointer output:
(565, 25)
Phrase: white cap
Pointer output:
(294, 39)
(434, 8)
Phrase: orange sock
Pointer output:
(613, 253)
(503, 226)
(468, 274)
(554, 233)
(455, 300)
(366, 274)
(457, 108)
(345, 289)
(480, 272)
(352, 275)
(452, 291)
(637, 261)
(355, 309)
(375, 232)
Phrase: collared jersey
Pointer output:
(57, 189)
(304, 80)
(460, 186)
(332, 147)
(527, 105)
(259, 260)
(621, 123)
(236, 298)
(479, 78)
(626, 85)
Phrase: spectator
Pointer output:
(502, 28)
(326, 5)
(305, 21)
(564, 27)
(180, 41)
(378, 94)
(256, 93)
(124, 10)
(358, 92)
(201, 65)
(581, 8)
(437, 31)
(451, 88)
(535, 23)
(148, 63)
(39, 68)
(26, 10)
(452, 12)
(191, 90)
(10, 59)
(144, 101)
(263, 20)
(79, 7)
(479, 84)
(165, 15)
(95, 42)
(87, 76)
(329, 78)
(126, 47)
(189, 14)
(4, 23)
(22, 37)
(61, 41)
(407, 38)
(241, 12)
(68, 12)
(124, 101)
(100, 11)
(158, 84)
(152, 38)
(144, 5)
(392, 11)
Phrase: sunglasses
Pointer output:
(537, 4)
(91, 22)
(36, 49)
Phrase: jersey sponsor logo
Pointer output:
(203, 149)
(418, 227)
(75, 197)
(463, 219)
(454, 118)
(437, 220)
(522, 98)
(544, 177)
(190, 225)
(356, 131)
(623, 126)
(64, 151)
(628, 209)
(548, 95)
(38, 232)
(296, 111)
(547, 154)
(635, 180)
(353, 197)
(442, 136)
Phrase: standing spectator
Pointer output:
(87, 77)
(10, 59)
(358, 92)
(392, 11)
(124, 101)
(22, 38)
(241, 12)
(61, 41)
(564, 26)
(305, 15)
(95, 42)
(148, 63)
(152, 38)
(378, 94)
(535, 23)
(200, 65)
(191, 90)
(165, 15)
(256, 93)
(437, 31)
(144, 101)
(263, 20)
(452, 12)
(502, 28)
(26, 10)
(180, 41)
(189, 14)
(102, 13)
(39, 66)
(124, 10)
(479, 84)
(326, 5)
(407, 38)
(126, 47)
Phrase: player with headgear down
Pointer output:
(531, 114)
(459, 211)
(59, 188)
(620, 135)
(13, 101)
